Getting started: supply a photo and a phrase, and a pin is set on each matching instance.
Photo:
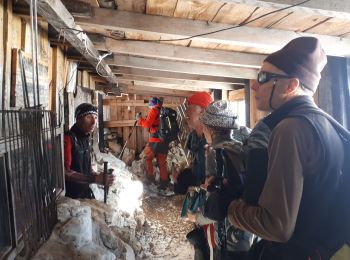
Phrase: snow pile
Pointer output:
(90, 229)
(83, 233)
(124, 195)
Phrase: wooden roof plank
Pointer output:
(333, 8)
(175, 52)
(181, 82)
(132, 5)
(267, 39)
(173, 75)
(183, 67)
(171, 85)
(161, 7)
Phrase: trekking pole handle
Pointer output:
(105, 173)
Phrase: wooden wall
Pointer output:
(15, 35)
(120, 113)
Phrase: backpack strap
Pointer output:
(341, 130)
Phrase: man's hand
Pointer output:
(105, 179)
(138, 116)
(192, 217)
(208, 181)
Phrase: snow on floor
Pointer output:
(164, 236)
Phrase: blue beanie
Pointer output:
(155, 102)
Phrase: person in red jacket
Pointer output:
(77, 160)
(155, 147)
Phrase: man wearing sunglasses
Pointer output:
(295, 208)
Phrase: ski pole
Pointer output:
(126, 142)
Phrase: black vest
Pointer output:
(317, 207)
(81, 162)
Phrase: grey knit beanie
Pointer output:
(302, 58)
(220, 115)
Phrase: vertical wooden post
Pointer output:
(53, 79)
(101, 141)
(224, 94)
(217, 93)
(247, 102)
(132, 115)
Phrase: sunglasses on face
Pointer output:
(264, 77)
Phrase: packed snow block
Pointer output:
(98, 191)
(108, 238)
(96, 252)
(140, 220)
(127, 234)
(64, 208)
(78, 229)
(128, 156)
(103, 235)
(138, 168)
(129, 254)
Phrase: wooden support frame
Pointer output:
(181, 53)
(132, 103)
(183, 67)
(59, 17)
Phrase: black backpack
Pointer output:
(168, 126)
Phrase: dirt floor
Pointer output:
(165, 231)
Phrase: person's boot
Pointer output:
(163, 185)
(164, 189)
(150, 179)
(197, 239)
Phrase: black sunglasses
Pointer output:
(264, 77)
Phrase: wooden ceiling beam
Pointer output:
(164, 85)
(267, 40)
(156, 91)
(145, 90)
(181, 53)
(183, 67)
(59, 17)
(174, 75)
(333, 8)
(180, 82)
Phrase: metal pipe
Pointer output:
(34, 81)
